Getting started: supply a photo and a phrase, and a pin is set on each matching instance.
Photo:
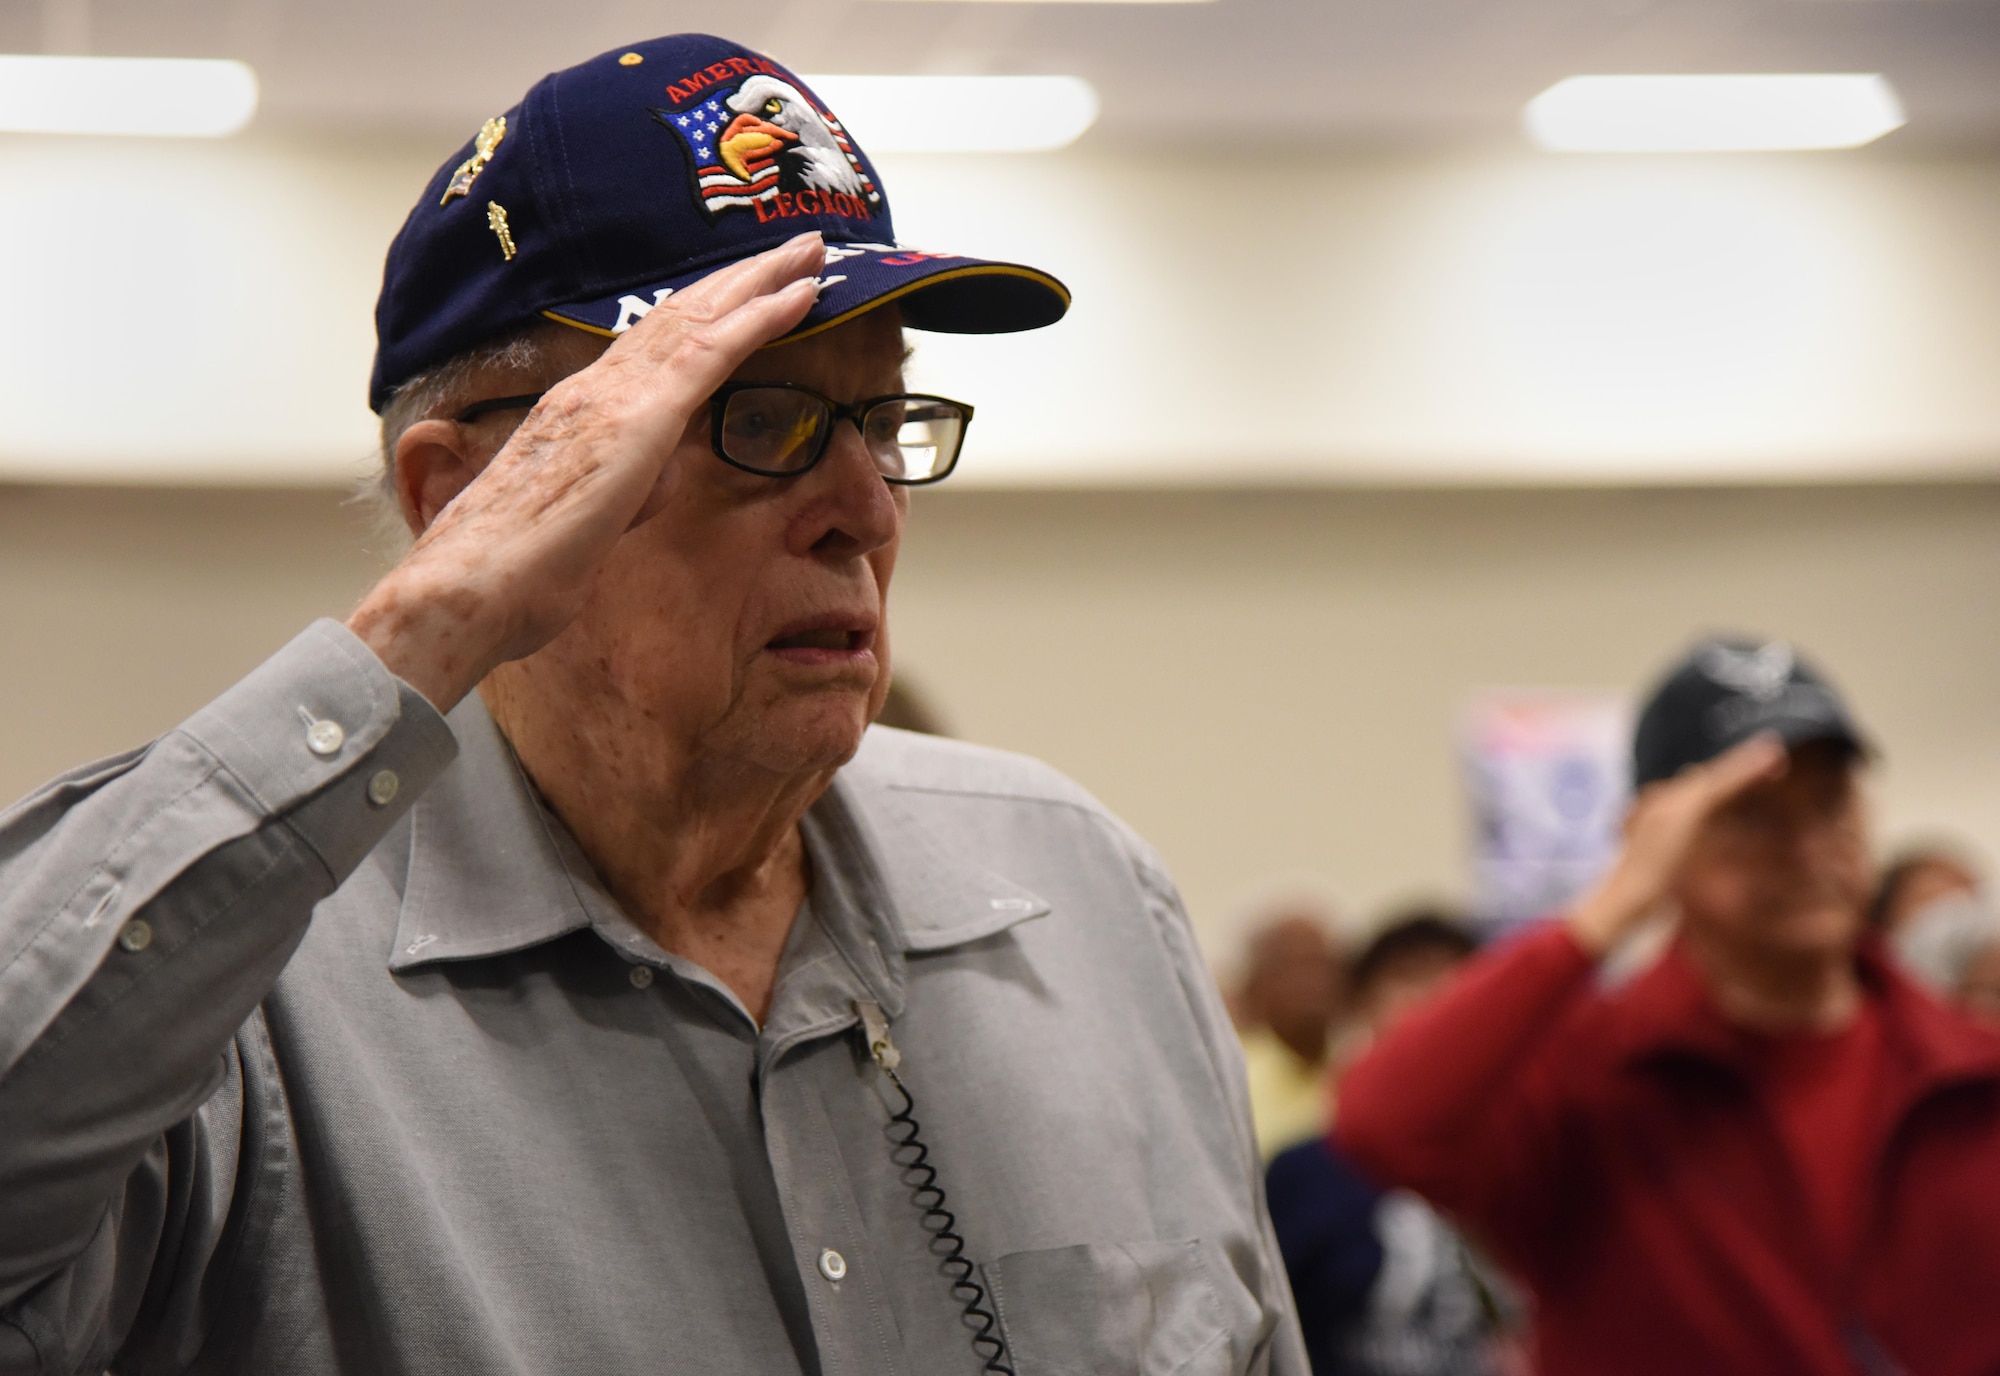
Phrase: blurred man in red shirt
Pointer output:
(1770, 1152)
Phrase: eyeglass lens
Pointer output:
(779, 430)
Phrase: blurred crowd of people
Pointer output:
(1737, 1110)
(1384, 1285)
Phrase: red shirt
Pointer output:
(1624, 1152)
(1821, 1092)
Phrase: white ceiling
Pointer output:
(1266, 76)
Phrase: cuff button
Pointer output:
(325, 737)
(383, 787)
(137, 935)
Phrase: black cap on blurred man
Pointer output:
(1725, 692)
(1770, 1151)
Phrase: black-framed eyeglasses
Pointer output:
(780, 429)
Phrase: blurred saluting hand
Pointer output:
(1660, 830)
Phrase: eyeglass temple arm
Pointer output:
(492, 404)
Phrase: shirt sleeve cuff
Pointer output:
(323, 735)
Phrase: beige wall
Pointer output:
(1399, 318)
(1264, 684)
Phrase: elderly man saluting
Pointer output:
(646, 1012)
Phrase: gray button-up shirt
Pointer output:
(325, 1051)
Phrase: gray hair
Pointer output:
(540, 349)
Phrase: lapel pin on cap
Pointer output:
(488, 139)
(496, 216)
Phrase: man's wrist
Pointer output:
(436, 637)
(1601, 919)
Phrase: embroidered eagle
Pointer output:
(774, 122)
(1759, 672)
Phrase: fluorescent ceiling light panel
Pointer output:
(1713, 114)
(960, 114)
(167, 97)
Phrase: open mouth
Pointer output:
(827, 638)
(836, 639)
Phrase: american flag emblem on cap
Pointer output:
(768, 147)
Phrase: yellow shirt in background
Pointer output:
(1288, 1096)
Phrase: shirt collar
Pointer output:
(491, 872)
(486, 874)
(935, 897)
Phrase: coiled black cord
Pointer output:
(913, 1156)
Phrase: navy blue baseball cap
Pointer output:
(623, 179)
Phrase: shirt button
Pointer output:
(382, 788)
(325, 737)
(137, 936)
(832, 1264)
(641, 976)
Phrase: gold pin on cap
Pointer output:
(630, 60)
(488, 139)
(496, 218)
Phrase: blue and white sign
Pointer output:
(1548, 777)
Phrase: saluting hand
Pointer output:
(1659, 832)
(508, 562)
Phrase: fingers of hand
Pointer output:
(1704, 787)
(1666, 816)
(682, 366)
(1742, 767)
(681, 351)
(594, 479)
(728, 289)
(695, 339)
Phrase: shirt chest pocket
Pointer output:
(1124, 1309)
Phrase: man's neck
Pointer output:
(1780, 992)
(704, 855)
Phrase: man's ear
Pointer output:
(435, 461)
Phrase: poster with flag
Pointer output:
(1547, 779)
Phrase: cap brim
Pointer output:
(1795, 732)
(937, 291)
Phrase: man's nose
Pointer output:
(849, 509)
(1805, 838)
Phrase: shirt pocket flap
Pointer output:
(1123, 1309)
